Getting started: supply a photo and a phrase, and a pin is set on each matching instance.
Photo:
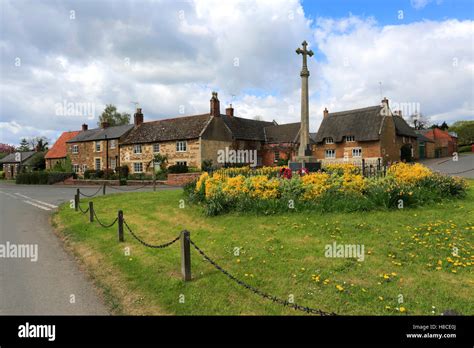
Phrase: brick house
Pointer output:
(96, 149)
(426, 146)
(370, 133)
(58, 152)
(445, 144)
(281, 142)
(190, 139)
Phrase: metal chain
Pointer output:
(100, 188)
(147, 244)
(133, 189)
(464, 171)
(259, 292)
(82, 211)
(104, 225)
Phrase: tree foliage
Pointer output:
(464, 130)
(113, 117)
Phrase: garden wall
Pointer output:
(182, 179)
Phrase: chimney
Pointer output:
(138, 117)
(326, 112)
(229, 111)
(105, 124)
(400, 113)
(215, 105)
(385, 101)
(84, 127)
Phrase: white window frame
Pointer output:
(276, 156)
(329, 140)
(137, 149)
(75, 149)
(154, 147)
(95, 163)
(184, 163)
(84, 167)
(112, 144)
(350, 138)
(333, 153)
(134, 168)
(113, 163)
(97, 143)
(181, 146)
(359, 150)
(75, 168)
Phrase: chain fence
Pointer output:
(85, 195)
(259, 292)
(126, 190)
(159, 246)
(101, 223)
(82, 211)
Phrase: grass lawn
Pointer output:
(408, 257)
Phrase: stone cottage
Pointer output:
(58, 152)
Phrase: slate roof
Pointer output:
(365, 124)
(284, 133)
(112, 132)
(246, 129)
(59, 149)
(11, 157)
(186, 127)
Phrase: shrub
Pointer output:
(109, 173)
(89, 173)
(42, 178)
(178, 168)
(206, 165)
(2, 175)
(465, 148)
(123, 171)
(54, 177)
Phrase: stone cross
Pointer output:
(304, 130)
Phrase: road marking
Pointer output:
(37, 200)
(37, 205)
(9, 194)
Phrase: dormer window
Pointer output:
(329, 141)
(350, 138)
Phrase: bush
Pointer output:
(465, 148)
(206, 165)
(42, 178)
(109, 173)
(123, 171)
(89, 173)
(2, 175)
(178, 168)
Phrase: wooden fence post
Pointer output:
(76, 201)
(363, 167)
(91, 211)
(185, 255)
(103, 190)
(120, 226)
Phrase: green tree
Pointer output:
(444, 126)
(464, 130)
(24, 145)
(113, 117)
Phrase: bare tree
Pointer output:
(419, 121)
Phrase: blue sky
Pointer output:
(387, 12)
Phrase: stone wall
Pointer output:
(182, 179)
(192, 155)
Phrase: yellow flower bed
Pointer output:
(409, 173)
(235, 186)
(263, 187)
(315, 184)
(353, 182)
(342, 168)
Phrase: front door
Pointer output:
(422, 151)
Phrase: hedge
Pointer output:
(42, 178)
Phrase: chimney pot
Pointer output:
(138, 117)
(326, 112)
(385, 101)
(84, 127)
(229, 111)
(215, 105)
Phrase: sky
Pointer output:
(61, 62)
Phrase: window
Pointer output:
(84, 168)
(350, 138)
(97, 146)
(357, 152)
(331, 153)
(112, 144)
(156, 148)
(404, 140)
(97, 164)
(138, 167)
(75, 149)
(181, 163)
(137, 149)
(329, 141)
(277, 156)
(181, 146)
(113, 163)
(75, 168)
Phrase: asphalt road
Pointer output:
(54, 284)
(464, 166)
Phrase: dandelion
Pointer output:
(340, 288)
